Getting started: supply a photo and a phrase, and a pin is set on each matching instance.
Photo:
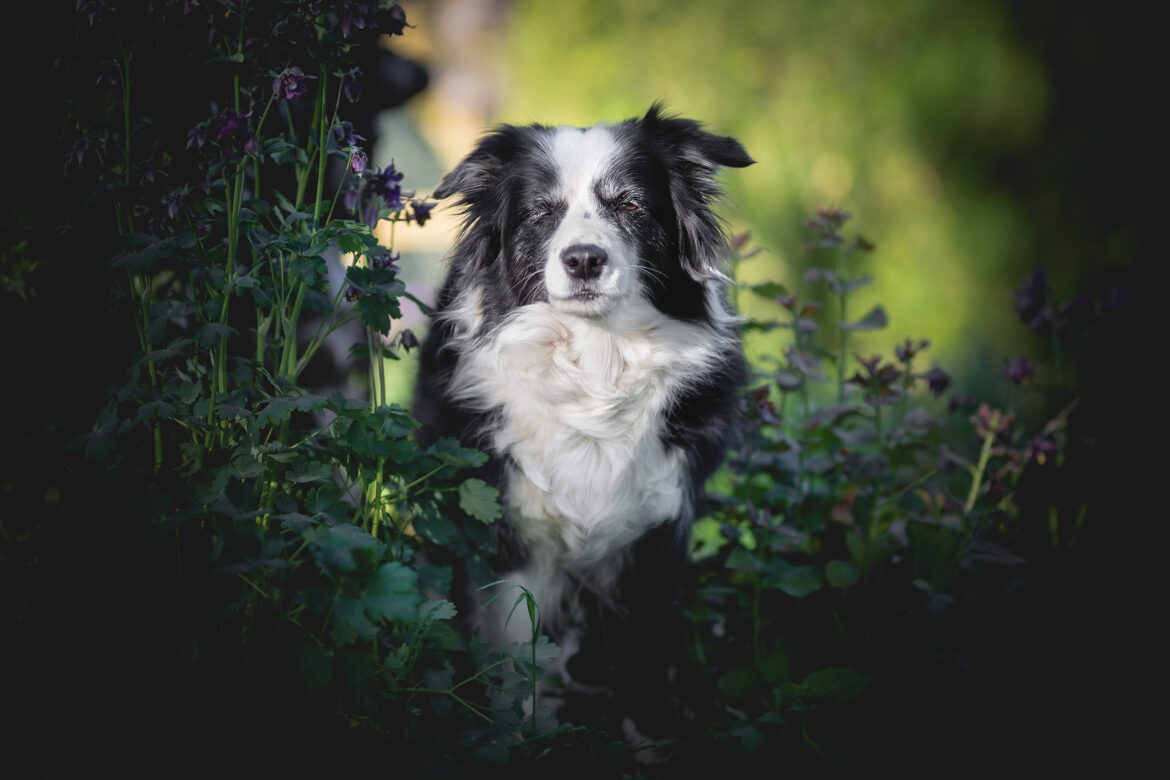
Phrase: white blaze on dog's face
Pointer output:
(590, 266)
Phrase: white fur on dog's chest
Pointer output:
(581, 420)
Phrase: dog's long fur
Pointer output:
(582, 339)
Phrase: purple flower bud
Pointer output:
(408, 340)
(1019, 369)
(397, 21)
(357, 163)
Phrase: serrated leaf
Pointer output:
(480, 500)
(311, 471)
(435, 527)
(450, 452)
(435, 610)
(392, 595)
(153, 409)
(350, 622)
(210, 334)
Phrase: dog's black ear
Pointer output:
(693, 158)
(698, 146)
(479, 171)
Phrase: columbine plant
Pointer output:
(326, 532)
(837, 519)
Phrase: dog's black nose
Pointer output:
(584, 261)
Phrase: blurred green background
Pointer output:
(972, 141)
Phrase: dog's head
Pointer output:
(587, 218)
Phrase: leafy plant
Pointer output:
(321, 537)
(852, 530)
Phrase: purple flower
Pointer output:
(357, 163)
(345, 136)
(232, 134)
(1040, 448)
(353, 16)
(383, 259)
(290, 84)
(386, 184)
(352, 197)
(422, 211)
(93, 9)
(906, 351)
(397, 21)
(197, 136)
(370, 213)
(1033, 302)
(937, 380)
(408, 340)
(1019, 369)
(879, 382)
(175, 201)
(988, 421)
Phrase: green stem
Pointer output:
(323, 129)
(977, 471)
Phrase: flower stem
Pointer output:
(977, 471)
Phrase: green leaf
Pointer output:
(480, 500)
(741, 559)
(350, 622)
(841, 574)
(875, 320)
(739, 682)
(436, 609)
(310, 471)
(450, 452)
(152, 409)
(392, 595)
(435, 527)
(796, 581)
(838, 683)
(210, 334)
(771, 290)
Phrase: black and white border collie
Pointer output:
(583, 340)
